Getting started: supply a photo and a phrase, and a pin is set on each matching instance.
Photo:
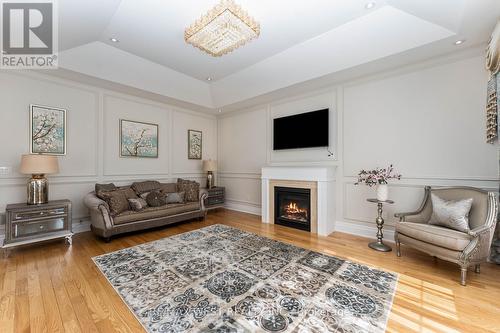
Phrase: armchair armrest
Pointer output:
(479, 230)
(418, 215)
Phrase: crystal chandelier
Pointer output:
(223, 29)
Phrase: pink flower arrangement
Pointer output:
(377, 176)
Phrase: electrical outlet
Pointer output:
(4, 170)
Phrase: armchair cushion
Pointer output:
(435, 235)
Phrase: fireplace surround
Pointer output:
(320, 180)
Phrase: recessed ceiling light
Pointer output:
(370, 5)
(114, 40)
(209, 78)
(220, 110)
(459, 42)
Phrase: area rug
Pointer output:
(222, 279)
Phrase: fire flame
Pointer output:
(293, 208)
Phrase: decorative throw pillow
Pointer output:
(146, 186)
(451, 214)
(190, 187)
(155, 199)
(117, 200)
(144, 195)
(175, 197)
(137, 204)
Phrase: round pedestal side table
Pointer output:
(379, 245)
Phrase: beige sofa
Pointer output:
(462, 248)
(105, 225)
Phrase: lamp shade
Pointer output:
(209, 165)
(39, 164)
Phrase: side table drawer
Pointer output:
(24, 215)
(28, 229)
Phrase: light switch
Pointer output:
(4, 170)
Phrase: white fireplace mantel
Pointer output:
(324, 177)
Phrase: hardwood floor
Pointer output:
(54, 288)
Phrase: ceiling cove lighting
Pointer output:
(223, 29)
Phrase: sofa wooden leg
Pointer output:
(477, 268)
(463, 276)
(107, 239)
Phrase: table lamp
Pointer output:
(38, 166)
(209, 166)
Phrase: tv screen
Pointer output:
(305, 130)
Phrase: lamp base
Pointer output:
(38, 190)
(210, 180)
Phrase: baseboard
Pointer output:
(359, 229)
(243, 207)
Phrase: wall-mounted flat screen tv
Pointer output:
(304, 130)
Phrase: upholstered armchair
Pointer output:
(463, 248)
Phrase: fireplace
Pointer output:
(292, 207)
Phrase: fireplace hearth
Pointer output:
(293, 207)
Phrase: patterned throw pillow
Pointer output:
(137, 204)
(176, 197)
(156, 199)
(117, 200)
(190, 187)
(105, 187)
(451, 214)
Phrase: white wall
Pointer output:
(93, 138)
(427, 119)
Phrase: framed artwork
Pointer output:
(194, 145)
(47, 130)
(138, 139)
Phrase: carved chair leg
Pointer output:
(398, 244)
(463, 275)
(477, 268)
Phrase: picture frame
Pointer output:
(47, 130)
(195, 144)
(138, 139)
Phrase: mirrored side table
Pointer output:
(379, 245)
(27, 224)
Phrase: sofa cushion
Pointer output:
(117, 200)
(190, 187)
(439, 236)
(146, 186)
(168, 187)
(156, 198)
(156, 212)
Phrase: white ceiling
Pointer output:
(300, 41)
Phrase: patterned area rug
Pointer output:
(222, 279)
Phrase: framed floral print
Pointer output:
(47, 130)
(138, 139)
(194, 144)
